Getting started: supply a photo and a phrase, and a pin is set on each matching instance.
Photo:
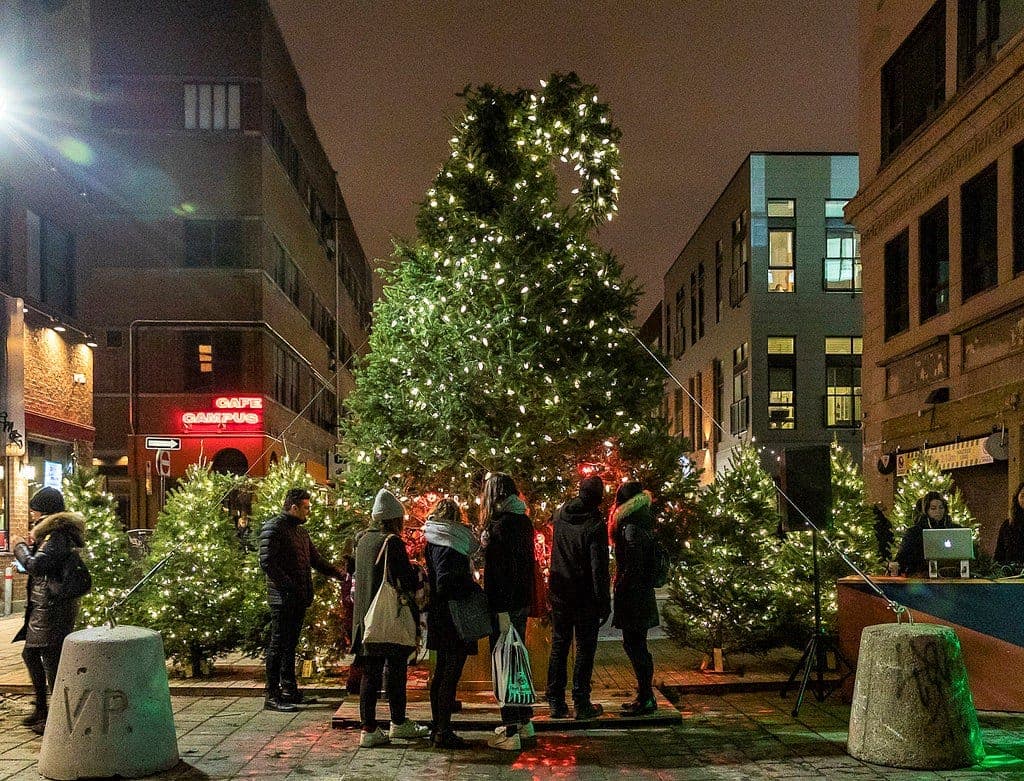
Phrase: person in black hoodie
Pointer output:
(450, 544)
(507, 540)
(578, 592)
(631, 529)
(286, 558)
(1010, 543)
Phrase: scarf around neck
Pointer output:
(450, 535)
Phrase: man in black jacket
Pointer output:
(580, 602)
(286, 558)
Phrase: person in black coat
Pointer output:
(381, 544)
(1010, 543)
(932, 513)
(53, 536)
(636, 609)
(578, 592)
(507, 540)
(287, 558)
(450, 544)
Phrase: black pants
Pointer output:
(634, 643)
(394, 685)
(512, 715)
(42, 662)
(285, 628)
(565, 624)
(447, 671)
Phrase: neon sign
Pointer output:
(229, 412)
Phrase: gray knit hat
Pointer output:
(386, 506)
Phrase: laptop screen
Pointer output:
(948, 544)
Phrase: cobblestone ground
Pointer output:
(738, 736)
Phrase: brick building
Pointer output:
(941, 212)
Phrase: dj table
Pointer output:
(987, 616)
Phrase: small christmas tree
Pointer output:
(924, 475)
(200, 601)
(107, 551)
(724, 594)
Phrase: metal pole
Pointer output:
(111, 619)
(8, 591)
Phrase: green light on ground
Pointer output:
(999, 761)
(75, 150)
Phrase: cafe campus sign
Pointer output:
(229, 413)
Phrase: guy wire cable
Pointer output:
(893, 605)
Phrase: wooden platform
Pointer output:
(480, 713)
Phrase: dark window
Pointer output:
(700, 299)
(286, 274)
(6, 231)
(214, 361)
(680, 322)
(678, 410)
(739, 277)
(718, 281)
(694, 330)
(718, 379)
(914, 80)
(978, 233)
(739, 411)
(216, 243)
(985, 25)
(934, 261)
(57, 267)
(324, 409)
(897, 285)
(1018, 209)
(286, 379)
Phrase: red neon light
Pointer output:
(229, 413)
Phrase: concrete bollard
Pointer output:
(110, 711)
(912, 706)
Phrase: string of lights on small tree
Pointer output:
(924, 475)
(107, 551)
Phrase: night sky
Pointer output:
(694, 85)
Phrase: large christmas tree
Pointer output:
(501, 340)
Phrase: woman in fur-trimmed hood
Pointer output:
(54, 534)
(630, 528)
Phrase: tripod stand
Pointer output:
(818, 647)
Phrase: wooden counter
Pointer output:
(987, 616)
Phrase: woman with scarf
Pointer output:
(507, 539)
(450, 544)
(631, 531)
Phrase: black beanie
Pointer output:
(592, 490)
(627, 491)
(47, 501)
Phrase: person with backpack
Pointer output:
(580, 602)
(381, 552)
(638, 565)
(56, 581)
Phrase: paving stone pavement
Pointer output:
(732, 736)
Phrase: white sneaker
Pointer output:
(505, 742)
(373, 739)
(408, 730)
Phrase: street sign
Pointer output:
(162, 459)
(163, 443)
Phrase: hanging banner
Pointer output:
(957, 455)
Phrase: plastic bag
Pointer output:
(510, 671)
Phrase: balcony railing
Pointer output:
(841, 275)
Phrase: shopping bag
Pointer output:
(511, 676)
(389, 618)
(470, 615)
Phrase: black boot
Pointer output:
(38, 715)
(274, 701)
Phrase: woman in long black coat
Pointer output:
(450, 543)
(48, 618)
(636, 609)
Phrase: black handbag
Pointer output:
(470, 615)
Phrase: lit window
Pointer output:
(781, 208)
(781, 277)
(206, 357)
(780, 345)
(213, 106)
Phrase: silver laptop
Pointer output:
(948, 544)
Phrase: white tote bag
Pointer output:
(511, 675)
(389, 619)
